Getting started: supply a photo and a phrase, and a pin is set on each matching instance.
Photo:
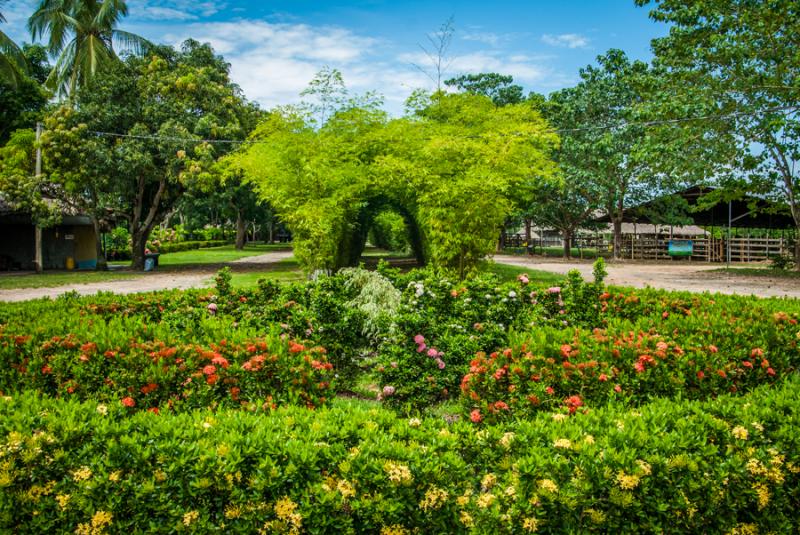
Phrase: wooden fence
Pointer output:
(649, 247)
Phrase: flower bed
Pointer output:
(154, 375)
(724, 466)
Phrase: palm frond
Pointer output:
(132, 42)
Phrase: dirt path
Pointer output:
(197, 277)
(693, 277)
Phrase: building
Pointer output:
(73, 237)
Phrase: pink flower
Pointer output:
(603, 378)
(475, 416)
(393, 364)
(501, 405)
(209, 370)
(440, 363)
(212, 308)
(554, 290)
(617, 389)
(421, 348)
(419, 339)
(523, 278)
(639, 367)
(220, 361)
(388, 391)
(432, 353)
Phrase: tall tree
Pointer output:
(600, 136)
(742, 56)
(23, 104)
(81, 34)
(498, 87)
(134, 160)
(12, 60)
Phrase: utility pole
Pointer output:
(38, 229)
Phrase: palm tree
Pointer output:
(12, 60)
(81, 35)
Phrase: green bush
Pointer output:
(725, 466)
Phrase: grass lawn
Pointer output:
(286, 270)
(558, 252)
(61, 278)
(211, 255)
(509, 273)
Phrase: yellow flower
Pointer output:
(233, 511)
(644, 467)
(562, 443)
(559, 417)
(63, 500)
(762, 491)
(627, 481)
(284, 508)
(190, 517)
(485, 500)
(757, 426)
(744, 529)
(434, 499)
(507, 439)
(589, 439)
(548, 485)
(346, 488)
(114, 476)
(101, 519)
(530, 525)
(82, 474)
(395, 529)
(739, 432)
(414, 422)
(488, 481)
(102, 409)
(510, 492)
(466, 519)
(398, 472)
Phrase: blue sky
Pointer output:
(275, 47)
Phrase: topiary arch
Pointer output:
(450, 170)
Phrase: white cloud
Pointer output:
(568, 40)
(487, 38)
(173, 10)
(164, 13)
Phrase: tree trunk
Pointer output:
(527, 231)
(101, 265)
(241, 230)
(139, 241)
(617, 221)
(567, 244)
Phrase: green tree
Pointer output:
(19, 185)
(12, 60)
(81, 34)
(741, 56)
(24, 103)
(500, 88)
(600, 136)
(155, 143)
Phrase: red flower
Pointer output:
(565, 350)
(154, 410)
(603, 378)
(211, 379)
(294, 347)
(770, 372)
(209, 370)
(501, 405)
(475, 416)
(128, 401)
(665, 315)
(757, 352)
(639, 367)
(549, 390)
(701, 375)
(713, 348)
(46, 369)
(722, 373)
(747, 364)
(220, 361)
(243, 299)
(617, 389)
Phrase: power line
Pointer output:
(624, 124)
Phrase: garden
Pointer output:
(389, 402)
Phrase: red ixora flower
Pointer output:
(573, 402)
(220, 361)
(617, 389)
(501, 405)
(128, 401)
(549, 390)
(701, 375)
(209, 370)
(602, 378)
(475, 416)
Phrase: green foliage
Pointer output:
(222, 282)
(723, 466)
(23, 103)
(450, 171)
(497, 87)
(389, 232)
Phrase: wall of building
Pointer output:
(16, 246)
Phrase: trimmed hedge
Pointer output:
(726, 466)
(175, 247)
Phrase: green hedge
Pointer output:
(175, 247)
(725, 466)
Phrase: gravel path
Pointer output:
(677, 275)
(198, 277)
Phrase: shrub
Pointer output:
(727, 466)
